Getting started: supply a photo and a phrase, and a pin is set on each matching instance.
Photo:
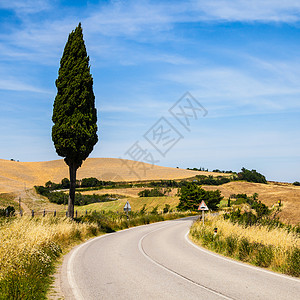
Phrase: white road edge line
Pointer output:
(70, 270)
(236, 262)
(173, 272)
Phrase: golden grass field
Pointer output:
(135, 203)
(269, 194)
(16, 176)
(18, 179)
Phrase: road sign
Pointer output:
(202, 206)
(127, 207)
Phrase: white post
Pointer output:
(203, 217)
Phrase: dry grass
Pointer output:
(274, 248)
(16, 176)
(28, 250)
(269, 194)
(277, 237)
(135, 203)
(20, 176)
(26, 237)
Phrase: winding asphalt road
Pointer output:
(158, 261)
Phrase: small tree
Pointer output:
(74, 132)
(191, 196)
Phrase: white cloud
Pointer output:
(128, 18)
(244, 10)
(16, 85)
(25, 6)
(241, 87)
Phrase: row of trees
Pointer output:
(251, 176)
(84, 183)
(80, 199)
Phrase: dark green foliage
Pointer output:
(58, 197)
(90, 182)
(237, 196)
(231, 244)
(196, 169)
(219, 171)
(249, 218)
(244, 249)
(293, 262)
(262, 255)
(65, 183)
(74, 132)
(9, 211)
(62, 198)
(213, 199)
(44, 191)
(163, 183)
(296, 183)
(251, 176)
(166, 208)
(154, 210)
(210, 180)
(191, 196)
(151, 193)
(143, 210)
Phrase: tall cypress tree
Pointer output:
(74, 132)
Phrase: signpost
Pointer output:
(203, 207)
(127, 208)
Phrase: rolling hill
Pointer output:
(16, 176)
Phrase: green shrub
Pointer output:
(154, 210)
(244, 249)
(263, 255)
(293, 262)
(151, 193)
(166, 208)
(251, 176)
(231, 244)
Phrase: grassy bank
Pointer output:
(276, 248)
(28, 250)
(136, 204)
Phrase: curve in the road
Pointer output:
(158, 261)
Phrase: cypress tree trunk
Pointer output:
(71, 201)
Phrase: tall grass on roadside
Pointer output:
(28, 250)
(274, 248)
(112, 221)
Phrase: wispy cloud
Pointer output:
(235, 86)
(26, 6)
(245, 11)
(16, 85)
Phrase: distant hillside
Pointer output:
(270, 193)
(15, 176)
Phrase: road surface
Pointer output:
(158, 261)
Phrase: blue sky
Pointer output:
(239, 59)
